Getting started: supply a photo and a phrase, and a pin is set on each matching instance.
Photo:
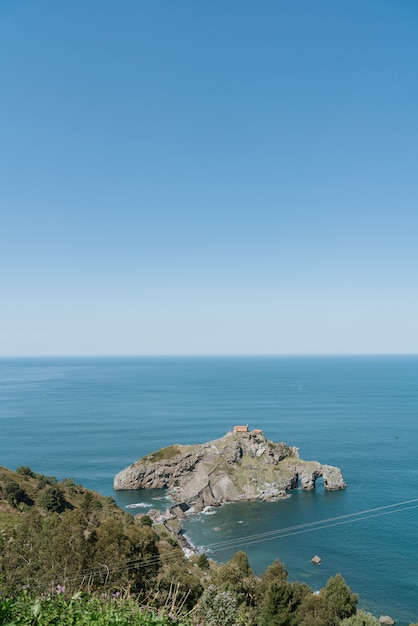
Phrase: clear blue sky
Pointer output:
(223, 177)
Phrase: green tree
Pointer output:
(240, 559)
(86, 504)
(338, 597)
(67, 548)
(202, 561)
(124, 555)
(275, 573)
(231, 577)
(19, 554)
(24, 470)
(44, 481)
(313, 611)
(53, 500)
(176, 584)
(281, 602)
(14, 493)
(143, 554)
(69, 486)
(334, 603)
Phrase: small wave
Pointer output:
(209, 510)
(139, 505)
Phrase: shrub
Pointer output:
(25, 471)
(203, 561)
(53, 500)
(69, 485)
(43, 481)
(240, 560)
(361, 618)
(14, 493)
(218, 608)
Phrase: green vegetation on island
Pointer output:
(71, 556)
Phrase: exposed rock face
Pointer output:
(386, 620)
(239, 466)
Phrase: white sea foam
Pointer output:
(139, 505)
(209, 510)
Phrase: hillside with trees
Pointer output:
(71, 556)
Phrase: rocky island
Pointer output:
(241, 466)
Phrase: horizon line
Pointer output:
(209, 355)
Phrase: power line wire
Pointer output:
(317, 525)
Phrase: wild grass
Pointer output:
(26, 610)
(164, 454)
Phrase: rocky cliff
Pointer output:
(239, 466)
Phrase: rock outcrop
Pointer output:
(239, 466)
(386, 620)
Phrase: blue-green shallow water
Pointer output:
(89, 418)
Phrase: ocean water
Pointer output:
(88, 418)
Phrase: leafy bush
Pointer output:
(203, 561)
(361, 618)
(53, 500)
(44, 481)
(14, 493)
(176, 583)
(70, 487)
(240, 560)
(218, 608)
(25, 471)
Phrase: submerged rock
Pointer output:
(239, 466)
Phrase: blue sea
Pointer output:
(88, 418)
